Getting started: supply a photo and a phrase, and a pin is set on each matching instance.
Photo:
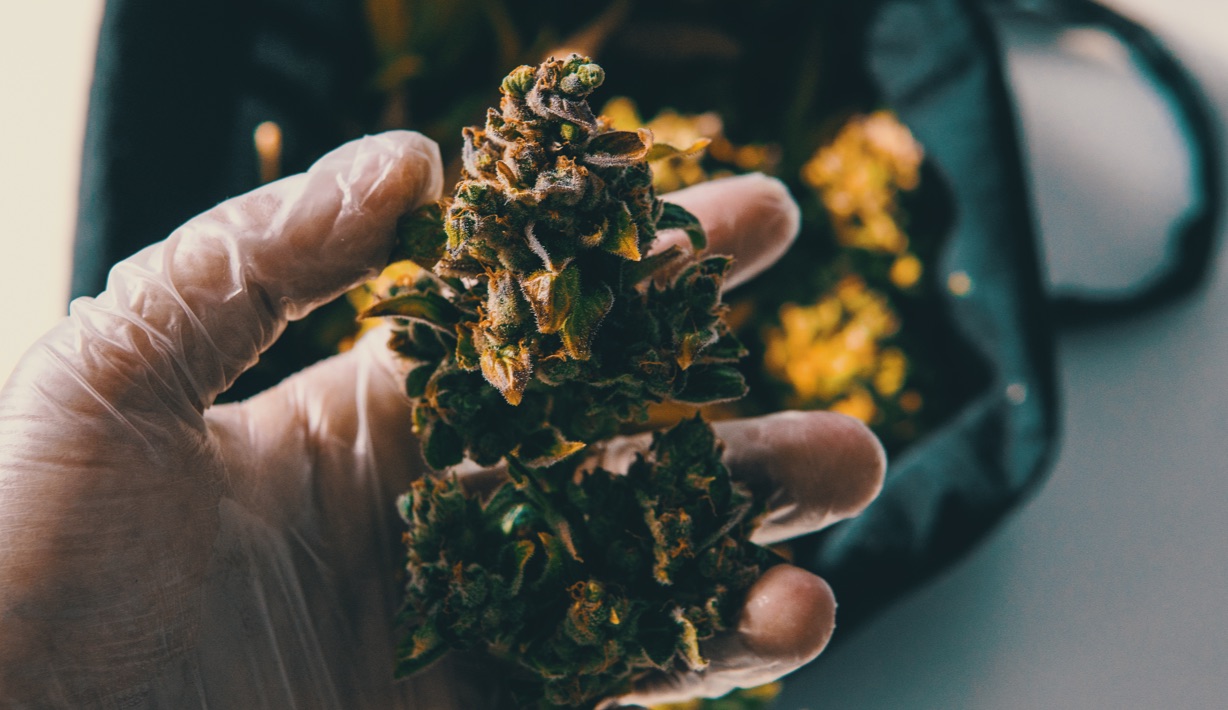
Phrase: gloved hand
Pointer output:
(158, 551)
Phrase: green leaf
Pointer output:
(688, 642)
(726, 349)
(659, 640)
(415, 382)
(586, 315)
(467, 357)
(690, 345)
(677, 217)
(556, 557)
(706, 384)
(716, 266)
(508, 369)
(690, 440)
(420, 236)
(423, 306)
(622, 237)
(505, 308)
(545, 447)
(619, 148)
(424, 646)
(636, 271)
(460, 225)
(661, 151)
(700, 283)
(551, 296)
(531, 483)
(596, 236)
(442, 446)
(522, 552)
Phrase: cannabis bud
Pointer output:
(544, 288)
(582, 583)
(545, 320)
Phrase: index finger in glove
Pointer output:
(186, 316)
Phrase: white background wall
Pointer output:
(1109, 589)
(46, 57)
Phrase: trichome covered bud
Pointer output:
(559, 299)
(583, 583)
(545, 319)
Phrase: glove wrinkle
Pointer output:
(112, 479)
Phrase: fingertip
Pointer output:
(773, 207)
(752, 216)
(860, 454)
(787, 620)
(222, 286)
(824, 466)
(788, 617)
(333, 225)
(394, 171)
(370, 182)
(777, 219)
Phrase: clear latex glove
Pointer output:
(157, 551)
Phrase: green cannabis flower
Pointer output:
(547, 287)
(546, 320)
(583, 583)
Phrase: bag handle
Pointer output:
(1195, 232)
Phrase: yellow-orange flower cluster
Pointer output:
(858, 177)
(692, 133)
(835, 353)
